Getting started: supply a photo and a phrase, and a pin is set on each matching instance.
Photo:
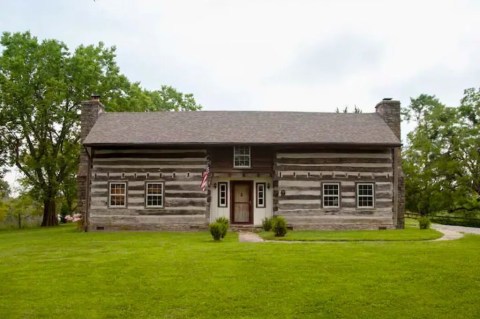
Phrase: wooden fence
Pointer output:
(450, 220)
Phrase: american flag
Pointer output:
(203, 184)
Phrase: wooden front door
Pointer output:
(242, 208)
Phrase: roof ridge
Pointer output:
(239, 111)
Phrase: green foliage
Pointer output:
(17, 211)
(469, 222)
(216, 230)
(279, 226)
(42, 85)
(442, 159)
(64, 211)
(424, 222)
(68, 194)
(267, 224)
(3, 209)
(4, 195)
(356, 110)
(4, 189)
(225, 223)
(222, 220)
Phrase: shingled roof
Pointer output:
(240, 127)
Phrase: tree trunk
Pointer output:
(49, 213)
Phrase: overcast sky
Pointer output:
(275, 55)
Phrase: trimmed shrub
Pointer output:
(424, 222)
(279, 226)
(225, 223)
(222, 220)
(267, 224)
(216, 229)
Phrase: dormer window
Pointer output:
(241, 157)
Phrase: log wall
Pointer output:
(299, 174)
(185, 204)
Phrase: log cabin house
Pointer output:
(319, 170)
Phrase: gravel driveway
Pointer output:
(455, 232)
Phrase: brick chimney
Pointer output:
(389, 110)
(90, 111)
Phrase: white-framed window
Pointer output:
(331, 195)
(154, 194)
(365, 195)
(241, 157)
(223, 194)
(261, 195)
(117, 194)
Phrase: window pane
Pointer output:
(117, 188)
(155, 200)
(155, 189)
(222, 194)
(154, 194)
(365, 195)
(241, 156)
(117, 194)
(331, 195)
(260, 195)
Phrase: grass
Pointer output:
(62, 273)
(364, 235)
(410, 233)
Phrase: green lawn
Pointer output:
(61, 273)
(364, 235)
(410, 233)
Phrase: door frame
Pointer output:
(250, 205)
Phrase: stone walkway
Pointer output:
(249, 237)
(449, 233)
(454, 232)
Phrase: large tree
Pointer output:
(441, 160)
(42, 85)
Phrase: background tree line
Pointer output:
(441, 160)
(42, 85)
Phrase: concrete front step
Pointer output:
(246, 228)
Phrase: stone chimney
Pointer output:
(90, 111)
(389, 110)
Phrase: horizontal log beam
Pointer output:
(333, 160)
(363, 154)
